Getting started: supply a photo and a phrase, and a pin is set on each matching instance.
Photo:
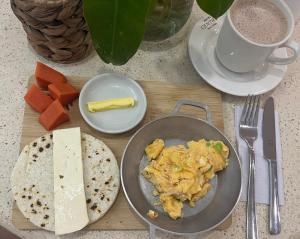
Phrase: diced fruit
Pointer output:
(63, 92)
(45, 75)
(54, 116)
(37, 99)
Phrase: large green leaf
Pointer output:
(117, 27)
(215, 8)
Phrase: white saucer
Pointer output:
(109, 86)
(201, 49)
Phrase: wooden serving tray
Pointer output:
(162, 97)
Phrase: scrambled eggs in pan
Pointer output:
(182, 174)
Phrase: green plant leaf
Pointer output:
(117, 27)
(218, 147)
(215, 8)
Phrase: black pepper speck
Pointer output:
(41, 149)
(94, 206)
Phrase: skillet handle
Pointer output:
(204, 107)
(152, 230)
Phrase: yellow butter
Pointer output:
(110, 104)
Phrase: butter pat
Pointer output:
(111, 104)
(69, 196)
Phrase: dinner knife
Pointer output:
(269, 148)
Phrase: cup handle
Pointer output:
(294, 46)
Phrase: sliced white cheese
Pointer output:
(69, 196)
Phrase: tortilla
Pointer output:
(32, 180)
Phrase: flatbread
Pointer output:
(101, 176)
(32, 180)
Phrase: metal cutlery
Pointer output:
(269, 148)
(248, 132)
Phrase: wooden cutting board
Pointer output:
(161, 98)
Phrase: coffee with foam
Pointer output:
(260, 21)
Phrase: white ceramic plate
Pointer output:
(109, 86)
(201, 49)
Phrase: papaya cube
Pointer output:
(54, 116)
(63, 92)
(37, 99)
(45, 75)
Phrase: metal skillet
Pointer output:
(178, 128)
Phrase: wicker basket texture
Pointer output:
(56, 29)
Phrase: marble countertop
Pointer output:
(17, 64)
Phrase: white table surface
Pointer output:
(17, 62)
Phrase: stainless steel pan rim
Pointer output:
(175, 113)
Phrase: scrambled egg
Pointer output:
(154, 149)
(152, 214)
(182, 173)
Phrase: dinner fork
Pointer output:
(248, 132)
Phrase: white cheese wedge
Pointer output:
(69, 196)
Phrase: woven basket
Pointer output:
(56, 29)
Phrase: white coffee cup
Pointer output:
(239, 54)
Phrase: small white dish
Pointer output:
(110, 86)
(201, 48)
